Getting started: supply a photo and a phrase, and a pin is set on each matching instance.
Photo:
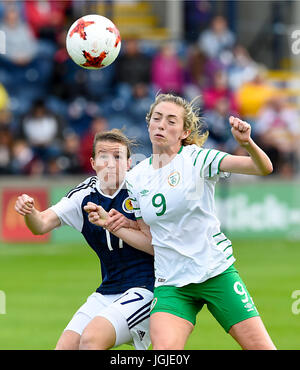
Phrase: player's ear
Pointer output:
(92, 163)
(185, 134)
(129, 163)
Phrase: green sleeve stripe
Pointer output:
(204, 162)
(136, 209)
(138, 218)
(128, 183)
(133, 199)
(216, 235)
(229, 256)
(129, 191)
(228, 246)
(209, 168)
(220, 162)
(197, 156)
(193, 152)
(224, 240)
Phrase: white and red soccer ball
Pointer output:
(93, 42)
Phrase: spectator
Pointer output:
(22, 156)
(68, 80)
(242, 69)
(142, 98)
(198, 14)
(138, 107)
(69, 161)
(199, 72)
(5, 150)
(217, 120)
(42, 130)
(24, 66)
(131, 67)
(98, 124)
(21, 45)
(278, 131)
(46, 17)
(36, 167)
(217, 39)
(253, 95)
(53, 167)
(4, 99)
(6, 119)
(219, 90)
(166, 71)
(18, 5)
(197, 68)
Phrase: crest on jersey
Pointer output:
(127, 205)
(174, 178)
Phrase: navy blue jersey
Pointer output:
(122, 266)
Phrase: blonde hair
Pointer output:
(191, 120)
(115, 136)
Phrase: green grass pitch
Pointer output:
(44, 285)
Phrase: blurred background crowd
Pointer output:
(50, 108)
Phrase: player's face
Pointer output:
(166, 125)
(110, 163)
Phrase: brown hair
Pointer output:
(116, 136)
(191, 120)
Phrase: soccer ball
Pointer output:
(93, 42)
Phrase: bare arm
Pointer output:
(118, 220)
(257, 164)
(37, 222)
(138, 238)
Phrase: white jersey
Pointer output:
(177, 202)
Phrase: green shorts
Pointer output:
(226, 296)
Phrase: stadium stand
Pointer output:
(212, 64)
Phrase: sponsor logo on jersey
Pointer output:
(127, 205)
(144, 192)
(174, 178)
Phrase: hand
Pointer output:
(24, 205)
(241, 130)
(97, 214)
(116, 221)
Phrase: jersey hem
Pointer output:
(207, 276)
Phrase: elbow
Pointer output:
(264, 170)
(268, 170)
(37, 232)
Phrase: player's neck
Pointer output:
(110, 189)
(163, 155)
